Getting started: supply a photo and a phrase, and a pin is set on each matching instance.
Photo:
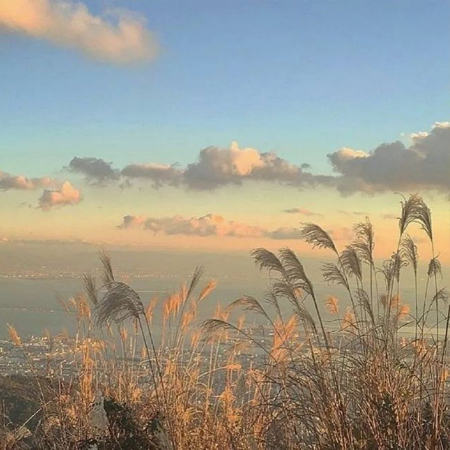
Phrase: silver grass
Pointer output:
(409, 252)
(295, 271)
(213, 326)
(332, 274)
(416, 210)
(317, 237)
(364, 251)
(206, 290)
(441, 295)
(198, 273)
(287, 285)
(267, 260)
(365, 240)
(90, 287)
(120, 302)
(107, 274)
(249, 304)
(391, 269)
(351, 263)
(410, 211)
(387, 273)
(398, 262)
(423, 217)
(272, 300)
(434, 267)
(282, 288)
(364, 301)
(306, 318)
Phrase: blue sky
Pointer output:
(303, 78)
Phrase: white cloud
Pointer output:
(348, 154)
(119, 38)
(66, 195)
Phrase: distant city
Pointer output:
(53, 273)
(39, 354)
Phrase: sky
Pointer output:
(221, 126)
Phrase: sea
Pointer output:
(33, 305)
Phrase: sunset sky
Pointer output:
(221, 125)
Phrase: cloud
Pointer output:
(303, 211)
(23, 183)
(96, 171)
(337, 234)
(158, 173)
(217, 225)
(66, 195)
(424, 165)
(390, 167)
(131, 221)
(56, 192)
(208, 225)
(118, 37)
(285, 233)
(341, 234)
(354, 213)
(217, 167)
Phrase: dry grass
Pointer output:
(351, 383)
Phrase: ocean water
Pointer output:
(32, 307)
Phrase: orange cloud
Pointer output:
(66, 195)
(341, 234)
(208, 225)
(22, 183)
(70, 24)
